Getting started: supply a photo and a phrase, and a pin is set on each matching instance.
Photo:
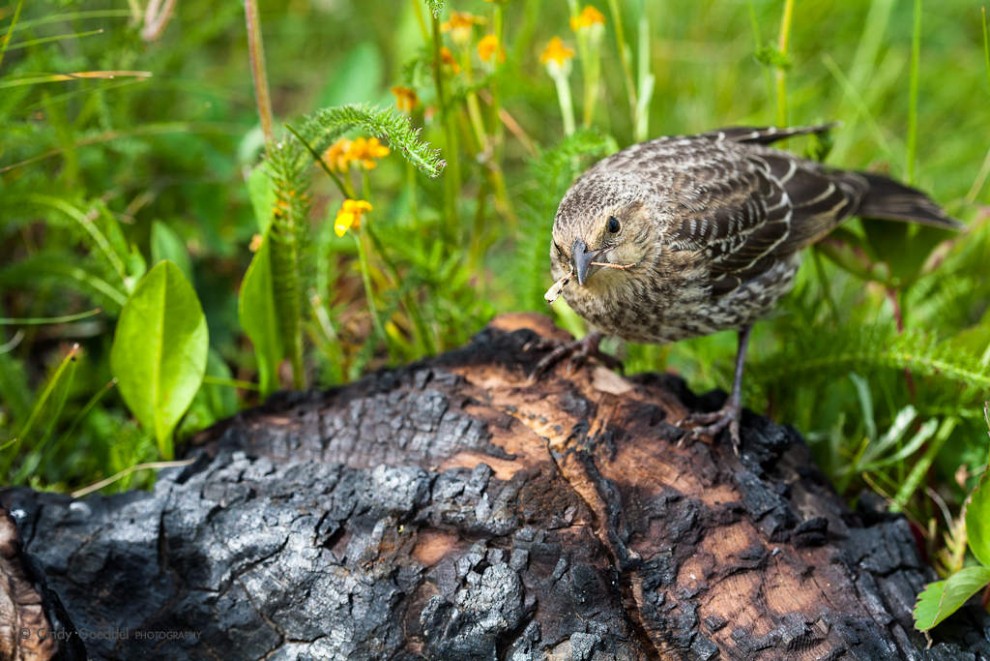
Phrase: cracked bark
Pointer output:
(452, 509)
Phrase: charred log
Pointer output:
(455, 509)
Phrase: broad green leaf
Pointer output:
(159, 351)
(166, 245)
(943, 598)
(258, 314)
(978, 521)
(262, 195)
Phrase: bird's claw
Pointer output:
(713, 423)
(579, 352)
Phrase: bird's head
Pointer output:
(602, 232)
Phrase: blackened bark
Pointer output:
(454, 509)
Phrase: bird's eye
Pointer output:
(613, 225)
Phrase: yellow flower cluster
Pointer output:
(406, 99)
(350, 215)
(587, 19)
(556, 52)
(460, 26)
(448, 60)
(364, 151)
(489, 49)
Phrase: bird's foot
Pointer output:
(579, 352)
(711, 424)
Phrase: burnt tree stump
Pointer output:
(452, 509)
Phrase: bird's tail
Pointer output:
(890, 200)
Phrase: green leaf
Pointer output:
(978, 521)
(771, 56)
(67, 271)
(257, 311)
(262, 194)
(943, 598)
(166, 245)
(159, 351)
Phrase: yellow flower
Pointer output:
(256, 242)
(460, 26)
(405, 98)
(489, 49)
(337, 155)
(350, 216)
(366, 151)
(588, 18)
(557, 57)
(447, 59)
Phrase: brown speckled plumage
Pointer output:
(709, 231)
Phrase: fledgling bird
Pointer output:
(685, 236)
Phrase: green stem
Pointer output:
(57, 389)
(783, 43)
(625, 56)
(592, 76)
(923, 465)
(497, 128)
(825, 283)
(646, 80)
(912, 137)
(256, 53)
(502, 201)
(420, 19)
(477, 123)
(10, 29)
(566, 103)
(986, 43)
(368, 289)
(342, 183)
(116, 477)
(452, 173)
(42, 321)
(476, 248)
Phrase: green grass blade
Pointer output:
(56, 384)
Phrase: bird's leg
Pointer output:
(710, 424)
(578, 351)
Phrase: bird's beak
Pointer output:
(581, 260)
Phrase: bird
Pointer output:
(685, 236)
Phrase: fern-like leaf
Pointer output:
(436, 6)
(324, 126)
(287, 234)
(873, 347)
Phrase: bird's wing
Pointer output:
(758, 206)
(765, 135)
